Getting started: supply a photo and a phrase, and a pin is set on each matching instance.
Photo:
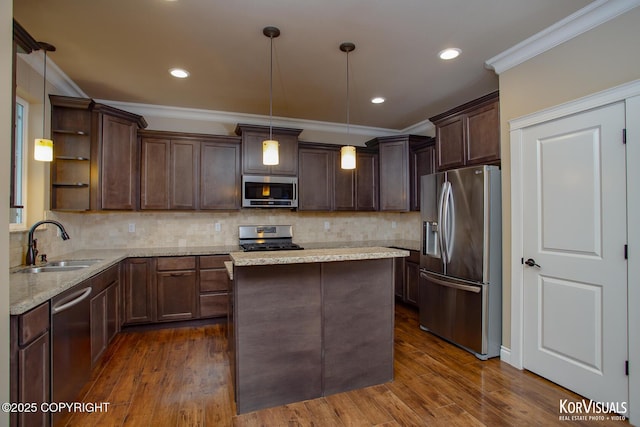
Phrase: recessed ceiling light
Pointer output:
(449, 53)
(179, 73)
(377, 100)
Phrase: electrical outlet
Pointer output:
(327, 226)
(393, 224)
(132, 228)
(216, 226)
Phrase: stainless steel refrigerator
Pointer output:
(461, 258)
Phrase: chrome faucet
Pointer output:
(32, 251)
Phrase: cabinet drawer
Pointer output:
(414, 256)
(214, 280)
(33, 323)
(102, 280)
(213, 261)
(213, 305)
(176, 263)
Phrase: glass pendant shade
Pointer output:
(270, 152)
(348, 157)
(43, 150)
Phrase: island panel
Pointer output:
(277, 313)
(358, 316)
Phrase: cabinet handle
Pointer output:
(178, 274)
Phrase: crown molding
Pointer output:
(585, 19)
(55, 76)
(183, 113)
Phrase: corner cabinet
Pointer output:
(95, 164)
(189, 171)
(469, 134)
(252, 137)
(401, 160)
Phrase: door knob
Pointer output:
(531, 263)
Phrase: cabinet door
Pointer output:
(345, 186)
(34, 380)
(184, 174)
(483, 129)
(98, 326)
(119, 164)
(177, 291)
(423, 163)
(412, 282)
(154, 182)
(366, 182)
(113, 311)
(219, 176)
(316, 179)
(252, 154)
(450, 143)
(398, 278)
(394, 176)
(139, 276)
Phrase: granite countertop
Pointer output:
(244, 259)
(28, 290)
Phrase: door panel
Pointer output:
(574, 212)
(468, 207)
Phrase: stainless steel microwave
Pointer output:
(269, 191)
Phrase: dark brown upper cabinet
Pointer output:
(252, 137)
(189, 171)
(469, 134)
(96, 158)
(399, 186)
(325, 186)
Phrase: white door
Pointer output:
(575, 298)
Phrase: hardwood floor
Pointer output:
(181, 377)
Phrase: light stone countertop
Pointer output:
(245, 259)
(28, 290)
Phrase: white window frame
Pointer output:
(25, 156)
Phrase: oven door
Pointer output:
(269, 191)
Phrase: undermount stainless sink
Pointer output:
(60, 266)
(73, 262)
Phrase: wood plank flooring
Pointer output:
(181, 377)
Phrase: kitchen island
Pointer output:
(311, 323)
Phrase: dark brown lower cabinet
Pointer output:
(139, 294)
(320, 328)
(30, 376)
(105, 314)
(176, 293)
(214, 286)
(407, 278)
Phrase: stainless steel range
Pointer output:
(267, 238)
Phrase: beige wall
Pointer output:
(596, 60)
(6, 49)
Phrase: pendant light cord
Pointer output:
(271, 91)
(44, 93)
(348, 103)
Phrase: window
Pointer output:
(17, 213)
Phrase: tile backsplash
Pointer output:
(175, 229)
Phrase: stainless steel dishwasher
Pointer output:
(71, 344)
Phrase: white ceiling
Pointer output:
(122, 50)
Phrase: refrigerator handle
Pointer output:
(450, 220)
(467, 288)
(441, 225)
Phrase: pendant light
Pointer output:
(270, 146)
(43, 148)
(348, 152)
